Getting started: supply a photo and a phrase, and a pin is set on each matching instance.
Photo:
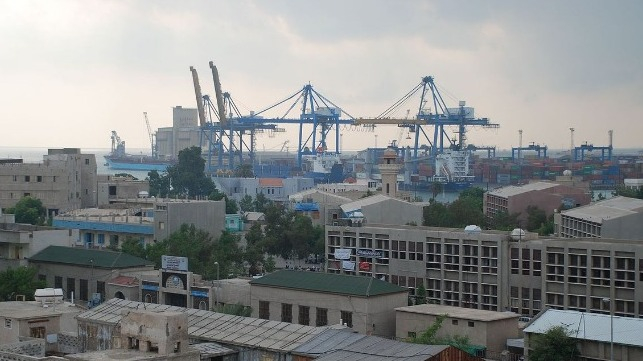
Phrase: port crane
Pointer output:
(318, 118)
(606, 151)
(151, 135)
(118, 145)
(225, 138)
(438, 116)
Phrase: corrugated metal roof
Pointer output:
(329, 340)
(607, 209)
(212, 349)
(590, 326)
(328, 282)
(216, 327)
(88, 257)
(381, 349)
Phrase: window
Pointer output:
(7, 323)
(347, 318)
(472, 324)
(454, 322)
(322, 317)
(264, 310)
(58, 282)
(87, 161)
(37, 332)
(27, 178)
(304, 315)
(161, 225)
(42, 277)
(39, 178)
(286, 312)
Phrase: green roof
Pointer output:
(88, 257)
(328, 282)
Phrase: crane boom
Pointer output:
(219, 94)
(150, 134)
(199, 96)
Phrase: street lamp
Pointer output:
(608, 301)
(216, 295)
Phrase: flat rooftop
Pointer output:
(607, 209)
(33, 309)
(458, 312)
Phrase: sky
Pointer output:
(73, 71)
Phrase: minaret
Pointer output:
(389, 168)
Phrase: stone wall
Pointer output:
(28, 347)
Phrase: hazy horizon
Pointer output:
(74, 70)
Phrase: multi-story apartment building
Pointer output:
(547, 196)
(457, 268)
(618, 217)
(492, 270)
(144, 219)
(65, 180)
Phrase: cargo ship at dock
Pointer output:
(119, 159)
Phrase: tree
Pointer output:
(134, 247)
(19, 281)
(420, 297)
(429, 336)
(556, 344)
(244, 171)
(261, 202)
(159, 184)
(436, 188)
(624, 191)
(503, 221)
(536, 217)
(187, 177)
(28, 210)
(233, 309)
(245, 204)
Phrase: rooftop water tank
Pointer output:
(472, 229)
(49, 295)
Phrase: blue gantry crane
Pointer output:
(432, 111)
(318, 117)
(606, 151)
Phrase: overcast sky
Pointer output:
(73, 71)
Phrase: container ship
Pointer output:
(118, 159)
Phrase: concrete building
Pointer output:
(275, 189)
(490, 329)
(457, 268)
(633, 183)
(316, 204)
(547, 196)
(592, 333)
(18, 242)
(576, 274)
(380, 209)
(112, 188)
(81, 273)
(65, 180)
(30, 319)
(364, 304)
(184, 133)
(389, 168)
(617, 218)
(146, 219)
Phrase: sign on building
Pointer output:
(369, 253)
(174, 263)
(342, 253)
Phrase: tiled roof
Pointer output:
(271, 182)
(88, 257)
(124, 281)
(328, 282)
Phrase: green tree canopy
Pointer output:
(244, 171)
(187, 177)
(465, 210)
(246, 204)
(28, 210)
(554, 345)
(261, 202)
(159, 184)
(19, 281)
